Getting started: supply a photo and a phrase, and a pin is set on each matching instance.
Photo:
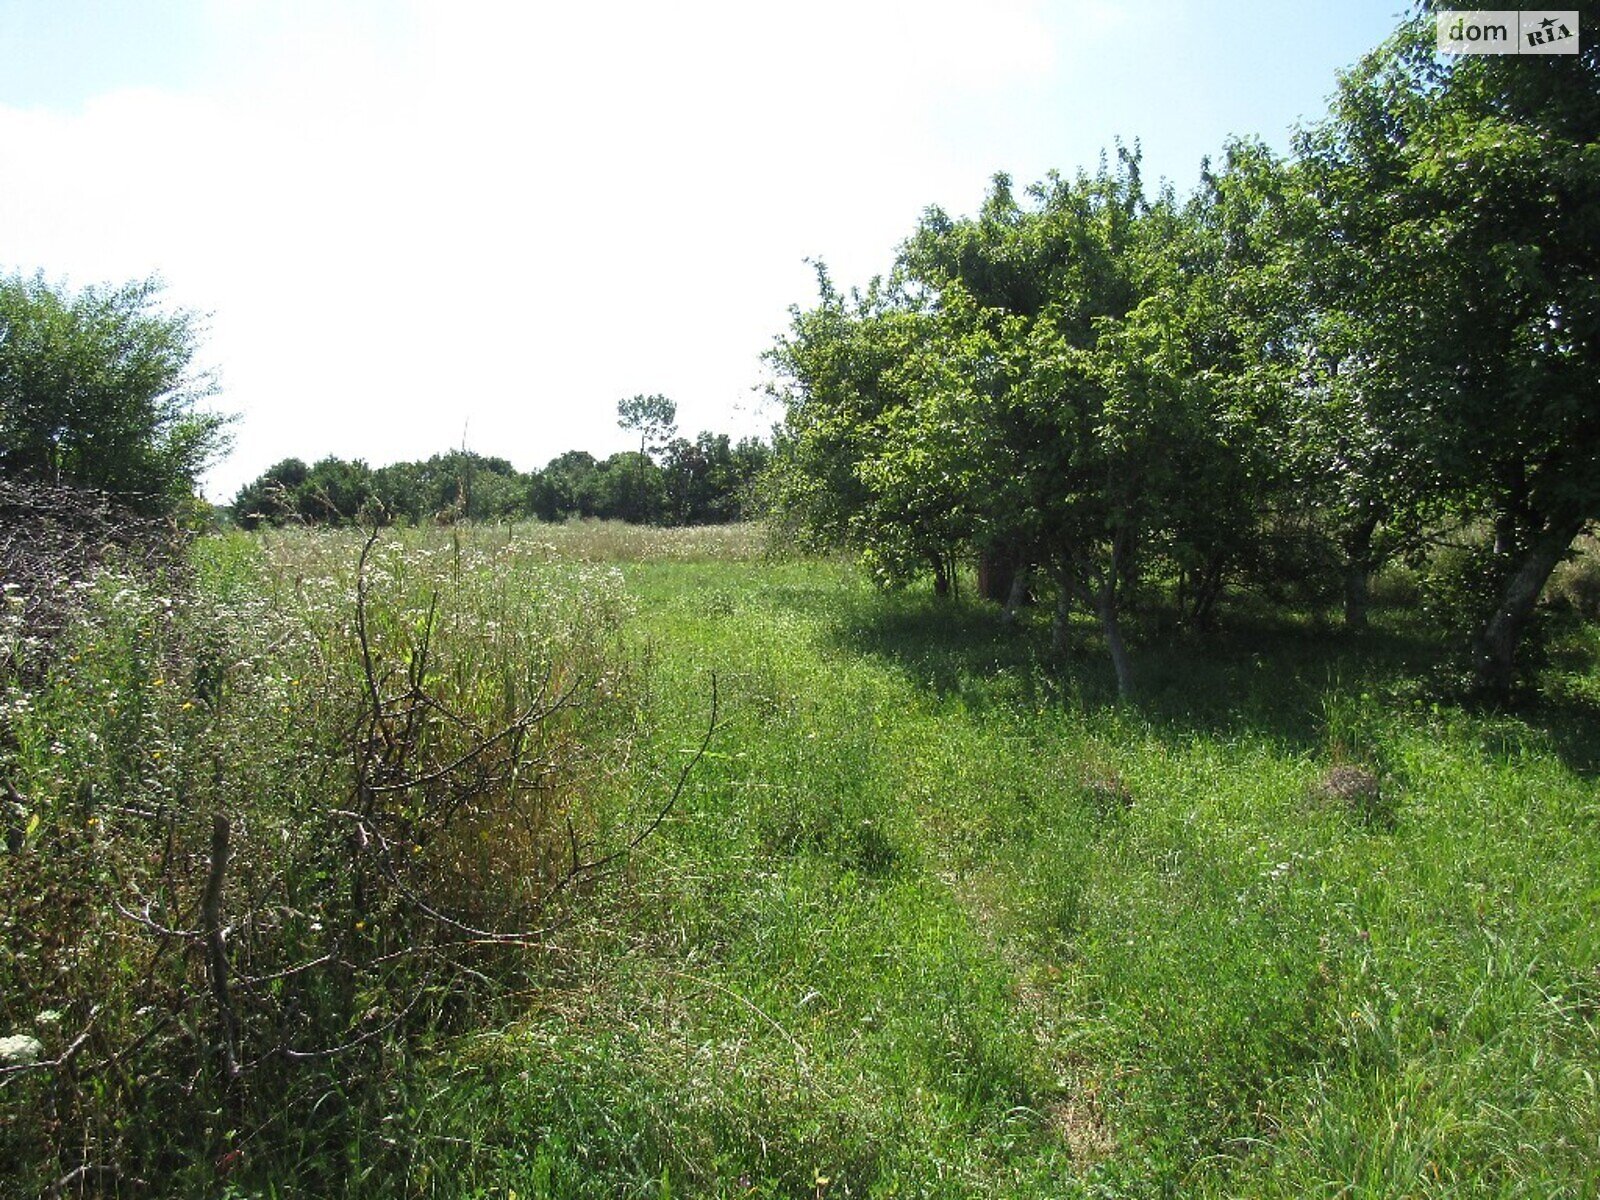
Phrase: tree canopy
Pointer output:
(98, 389)
(654, 418)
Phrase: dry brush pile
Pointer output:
(54, 540)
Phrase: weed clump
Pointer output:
(1357, 791)
(1105, 791)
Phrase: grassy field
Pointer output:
(931, 916)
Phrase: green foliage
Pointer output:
(629, 487)
(1460, 200)
(98, 390)
(653, 418)
(569, 486)
(1575, 585)
(707, 481)
(935, 917)
(711, 480)
(1461, 583)
(457, 485)
(1392, 329)
(1053, 378)
(855, 465)
(1212, 978)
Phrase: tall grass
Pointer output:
(405, 767)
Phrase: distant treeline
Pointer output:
(706, 481)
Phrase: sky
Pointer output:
(417, 225)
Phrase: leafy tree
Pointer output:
(1288, 434)
(334, 491)
(654, 418)
(640, 498)
(568, 486)
(273, 496)
(1089, 380)
(707, 481)
(1061, 380)
(465, 484)
(850, 375)
(1321, 392)
(686, 481)
(497, 496)
(1211, 332)
(750, 460)
(402, 492)
(629, 488)
(460, 484)
(98, 389)
(1467, 194)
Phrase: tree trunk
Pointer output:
(1357, 592)
(1016, 595)
(941, 576)
(996, 570)
(1105, 607)
(1099, 591)
(1495, 648)
(1058, 627)
(1357, 545)
(1505, 532)
(1199, 590)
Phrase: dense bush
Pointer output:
(1575, 584)
(98, 389)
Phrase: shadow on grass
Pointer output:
(1574, 732)
(1268, 676)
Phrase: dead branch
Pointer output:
(216, 947)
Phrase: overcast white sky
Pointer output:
(420, 223)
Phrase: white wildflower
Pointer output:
(20, 1050)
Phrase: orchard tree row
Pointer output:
(668, 481)
(1311, 363)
